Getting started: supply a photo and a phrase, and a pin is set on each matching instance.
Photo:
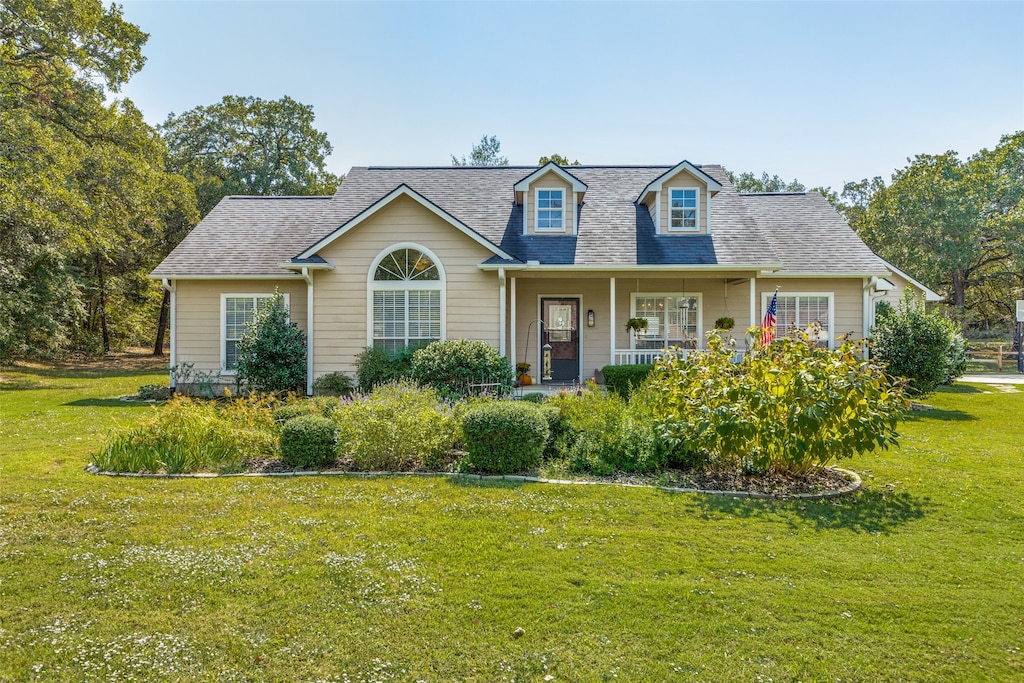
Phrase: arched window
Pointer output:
(406, 299)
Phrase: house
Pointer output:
(522, 258)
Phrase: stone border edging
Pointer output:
(854, 481)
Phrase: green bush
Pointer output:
(272, 351)
(333, 384)
(787, 408)
(294, 410)
(185, 435)
(534, 396)
(397, 427)
(622, 379)
(504, 437)
(154, 392)
(451, 366)
(600, 434)
(924, 347)
(376, 367)
(309, 441)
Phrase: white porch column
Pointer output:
(753, 301)
(512, 321)
(611, 320)
(867, 318)
(309, 330)
(502, 340)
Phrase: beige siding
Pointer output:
(198, 320)
(341, 323)
(680, 180)
(549, 181)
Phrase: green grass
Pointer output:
(919, 577)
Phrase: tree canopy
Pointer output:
(486, 153)
(558, 159)
(247, 145)
(747, 182)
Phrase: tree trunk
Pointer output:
(103, 304)
(161, 329)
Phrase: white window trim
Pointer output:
(404, 285)
(224, 322)
(766, 298)
(700, 311)
(668, 217)
(537, 209)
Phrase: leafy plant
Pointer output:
(636, 325)
(189, 380)
(154, 392)
(504, 437)
(272, 351)
(376, 366)
(787, 408)
(397, 427)
(924, 347)
(724, 323)
(622, 379)
(309, 441)
(333, 384)
(450, 367)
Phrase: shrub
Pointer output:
(376, 367)
(397, 427)
(622, 379)
(924, 347)
(154, 392)
(534, 396)
(504, 437)
(600, 435)
(272, 351)
(294, 410)
(451, 366)
(309, 441)
(333, 384)
(185, 435)
(786, 408)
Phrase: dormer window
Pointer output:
(684, 209)
(550, 210)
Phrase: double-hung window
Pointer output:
(672, 320)
(237, 312)
(550, 210)
(684, 209)
(809, 313)
(406, 300)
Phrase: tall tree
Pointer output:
(486, 153)
(247, 145)
(747, 182)
(79, 174)
(558, 159)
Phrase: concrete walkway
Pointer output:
(993, 379)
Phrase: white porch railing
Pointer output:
(650, 356)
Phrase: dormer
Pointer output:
(680, 200)
(549, 197)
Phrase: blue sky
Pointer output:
(821, 91)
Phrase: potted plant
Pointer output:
(725, 323)
(636, 325)
(523, 374)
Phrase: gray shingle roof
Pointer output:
(245, 236)
(798, 232)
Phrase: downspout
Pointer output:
(502, 332)
(309, 330)
(173, 289)
(870, 294)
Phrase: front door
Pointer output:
(561, 330)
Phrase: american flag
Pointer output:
(768, 324)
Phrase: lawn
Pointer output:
(918, 577)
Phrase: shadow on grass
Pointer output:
(938, 414)
(107, 403)
(867, 511)
(100, 369)
(958, 388)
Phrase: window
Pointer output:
(804, 312)
(237, 311)
(550, 210)
(683, 208)
(672, 320)
(405, 299)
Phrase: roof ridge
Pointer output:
(279, 196)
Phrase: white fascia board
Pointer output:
(655, 185)
(577, 184)
(288, 265)
(282, 276)
(591, 267)
(822, 274)
(404, 190)
(929, 295)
